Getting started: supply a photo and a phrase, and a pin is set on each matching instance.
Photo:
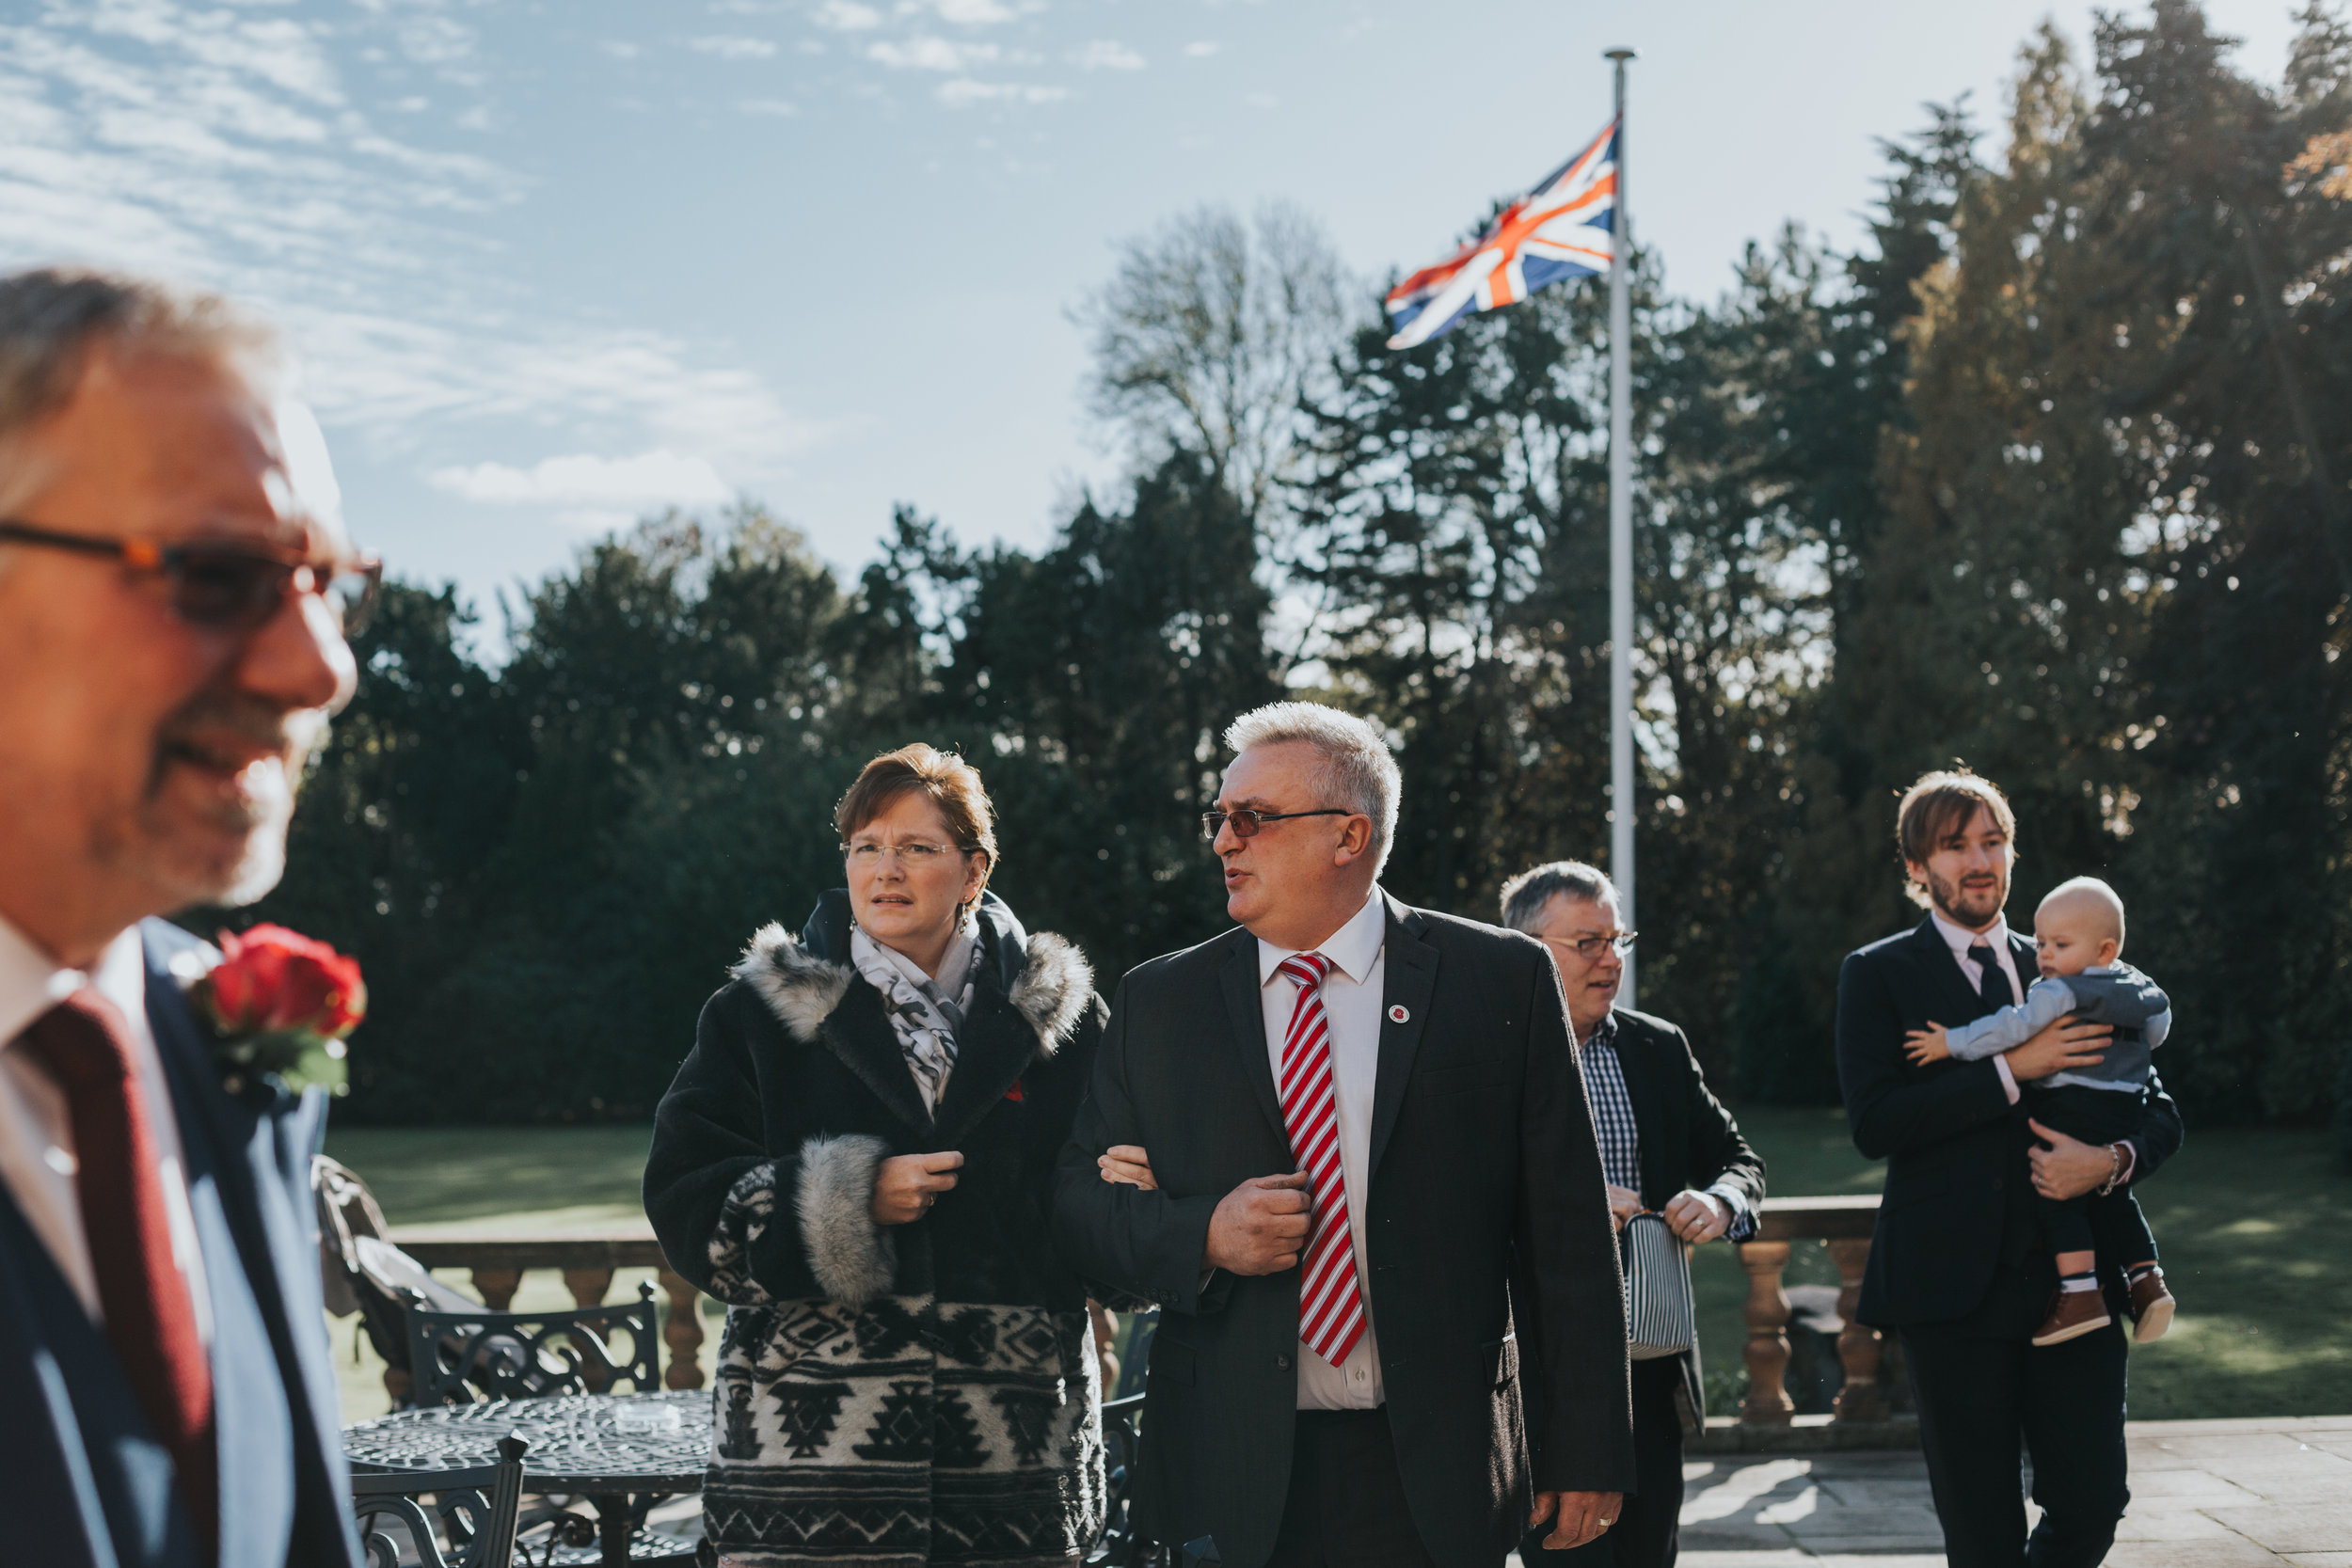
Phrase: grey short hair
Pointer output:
(50, 317)
(1527, 895)
(1358, 771)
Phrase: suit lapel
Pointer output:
(1951, 986)
(1408, 978)
(1246, 1012)
(1642, 1068)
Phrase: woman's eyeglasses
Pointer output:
(224, 586)
(1246, 823)
(910, 855)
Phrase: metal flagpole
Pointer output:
(1621, 541)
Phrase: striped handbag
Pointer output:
(1661, 1319)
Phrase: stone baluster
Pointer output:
(1861, 1399)
(1766, 1355)
(588, 1286)
(496, 1286)
(683, 1334)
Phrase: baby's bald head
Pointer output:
(2078, 926)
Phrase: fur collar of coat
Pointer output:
(803, 978)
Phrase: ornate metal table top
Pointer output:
(587, 1443)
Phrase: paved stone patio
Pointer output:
(2245, 1494)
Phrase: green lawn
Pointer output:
(2253, 1225)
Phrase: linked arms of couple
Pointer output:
(1262, 1226)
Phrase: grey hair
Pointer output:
(50, 317)
(1358, 771)
(1527, 895)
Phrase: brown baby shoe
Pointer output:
(2151, 1307)
(2073, 1314)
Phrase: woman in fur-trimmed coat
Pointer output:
(857, 1157)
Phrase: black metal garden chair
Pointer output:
(479, 1511)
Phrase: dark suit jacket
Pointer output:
(1688, 1138)
(1485, 1211)
(84, 1481)
(1959, 1199)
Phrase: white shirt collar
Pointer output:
(1353, 949)
(32, 982)
(1959, 938)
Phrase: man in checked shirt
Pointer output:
(1666, 1145)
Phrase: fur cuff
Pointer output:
(801, 990)
(1052, 989)
(850, 1256)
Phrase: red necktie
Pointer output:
(1331, 1309)
(151, 1321)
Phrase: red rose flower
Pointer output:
(271, 979)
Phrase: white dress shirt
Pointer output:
(1351, 1001)
(37, 1158)
(1959, 939)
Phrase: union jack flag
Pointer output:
(1563, 228)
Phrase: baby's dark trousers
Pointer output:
(2112, 1226)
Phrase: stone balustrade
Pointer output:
(1844, 1224)
(588, 1261)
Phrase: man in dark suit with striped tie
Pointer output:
(1352, 1165)
(173, 585)
(1957, 1265)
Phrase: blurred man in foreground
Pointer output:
(175, 589)
(1668, 1149)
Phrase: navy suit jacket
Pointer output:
(84, 1481)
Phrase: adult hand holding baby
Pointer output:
(2057, 1048)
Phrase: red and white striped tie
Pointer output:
(1330, 1309)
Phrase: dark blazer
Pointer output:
(1485, 1215)
(84, 1481)
(1688, 1138)
(1959, 1199)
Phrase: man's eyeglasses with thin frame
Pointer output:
(1589, 948)
(1246, 823)
(227, 585)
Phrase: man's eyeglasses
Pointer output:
(911, 855)
(225, 586)
(1589, 948)
(1246, 823)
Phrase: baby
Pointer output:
(2078, 933)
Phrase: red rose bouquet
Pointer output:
(281, 1004)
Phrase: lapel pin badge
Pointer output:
(1398, 1014)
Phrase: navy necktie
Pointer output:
(1992, 979)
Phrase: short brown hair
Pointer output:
(1941, 802)
(952, 784)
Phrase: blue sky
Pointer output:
(552, 264)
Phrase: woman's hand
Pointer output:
(1127, 1162)
(906, 1185)
(1623, 1205)
(2058, 1047)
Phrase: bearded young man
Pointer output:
(175, 587)
(1345, 1148)
(1957, 1263)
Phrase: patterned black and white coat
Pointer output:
(923, 1393)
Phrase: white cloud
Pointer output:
(1201, 50)
(1262, 100)
(780, 108)
(585, 479)
(976, 13)
(964, 93)
(1103, 54)
(728, 47)
(932, 54)
(847, 16)
(620, 49)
